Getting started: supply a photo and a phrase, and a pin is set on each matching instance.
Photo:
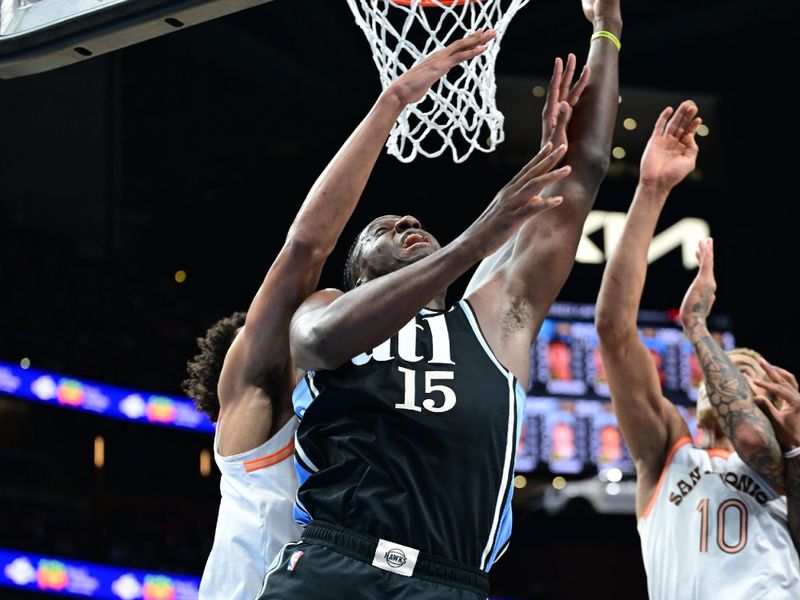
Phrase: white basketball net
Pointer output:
(459, 111)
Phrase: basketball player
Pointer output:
(243, 376)
(786, 423)
(711, 520)
(410, 413)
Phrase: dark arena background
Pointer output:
(145, 192)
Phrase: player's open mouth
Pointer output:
(411, 239)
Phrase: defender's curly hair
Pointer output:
(204, 369)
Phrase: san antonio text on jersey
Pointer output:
(415, 441)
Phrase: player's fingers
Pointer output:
(771, 371)
(782, 390)
(540, 182)
(566, 79)
(662, 121)
(537, 168)
(545, 151)
(538, 204)
(787, 377)
(767, 408)
(555, 81)
(707, 262)
(694, 125)
(477, 38)
(675, 125)
(580, 85)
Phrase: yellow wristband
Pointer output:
(609, 36)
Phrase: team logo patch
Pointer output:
(296, 556)
(395, 558)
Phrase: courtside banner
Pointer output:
(72, 393)
(63, 577)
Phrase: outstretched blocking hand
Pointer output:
(671, 152)
(785, 420)
(519, 200)
(599, 9)
(562, 96)
(701, 294)
(412, 85)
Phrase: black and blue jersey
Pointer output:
(414, 441)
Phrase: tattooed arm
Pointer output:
(786, 423)
(741, 421)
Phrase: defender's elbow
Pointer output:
(303, 250)
(610, 327)
(322, 350)
(591, 163)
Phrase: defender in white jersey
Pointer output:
(258, 489)
(244, 375)
(712, 521)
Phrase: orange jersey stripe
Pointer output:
(255, 464)
(679, 443)
(719, 453)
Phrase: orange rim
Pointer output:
(432, 3)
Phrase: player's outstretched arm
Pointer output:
(332, 327)
(650, 423)
(545, 251)
(262, 348)
(786, 423)
(562, 96)
(521, 292)
(733, 401)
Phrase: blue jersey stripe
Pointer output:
(303, 395)
(504, 532)
(300, 514)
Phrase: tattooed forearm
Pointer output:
(792, 485)
(737, 412)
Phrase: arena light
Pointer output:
(703, 130)
(614, 475)
(99, 452)
(618, 152)
(629, 124)
(559, 483)
(37, 36)
(520, 481)
(180, 276)
(25, 363)
(205, 462)
(539, 91)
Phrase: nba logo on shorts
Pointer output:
(293, 560)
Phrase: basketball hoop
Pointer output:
(459, 112)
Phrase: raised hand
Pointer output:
(600, 9)
(412, 85)
(786, 419)
(671, 152)
(519, 200)
(562, 96)
(701, 294)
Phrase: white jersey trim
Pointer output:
(476, 329)
(275, 443)
(303, 455)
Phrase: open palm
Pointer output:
(671, 152)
